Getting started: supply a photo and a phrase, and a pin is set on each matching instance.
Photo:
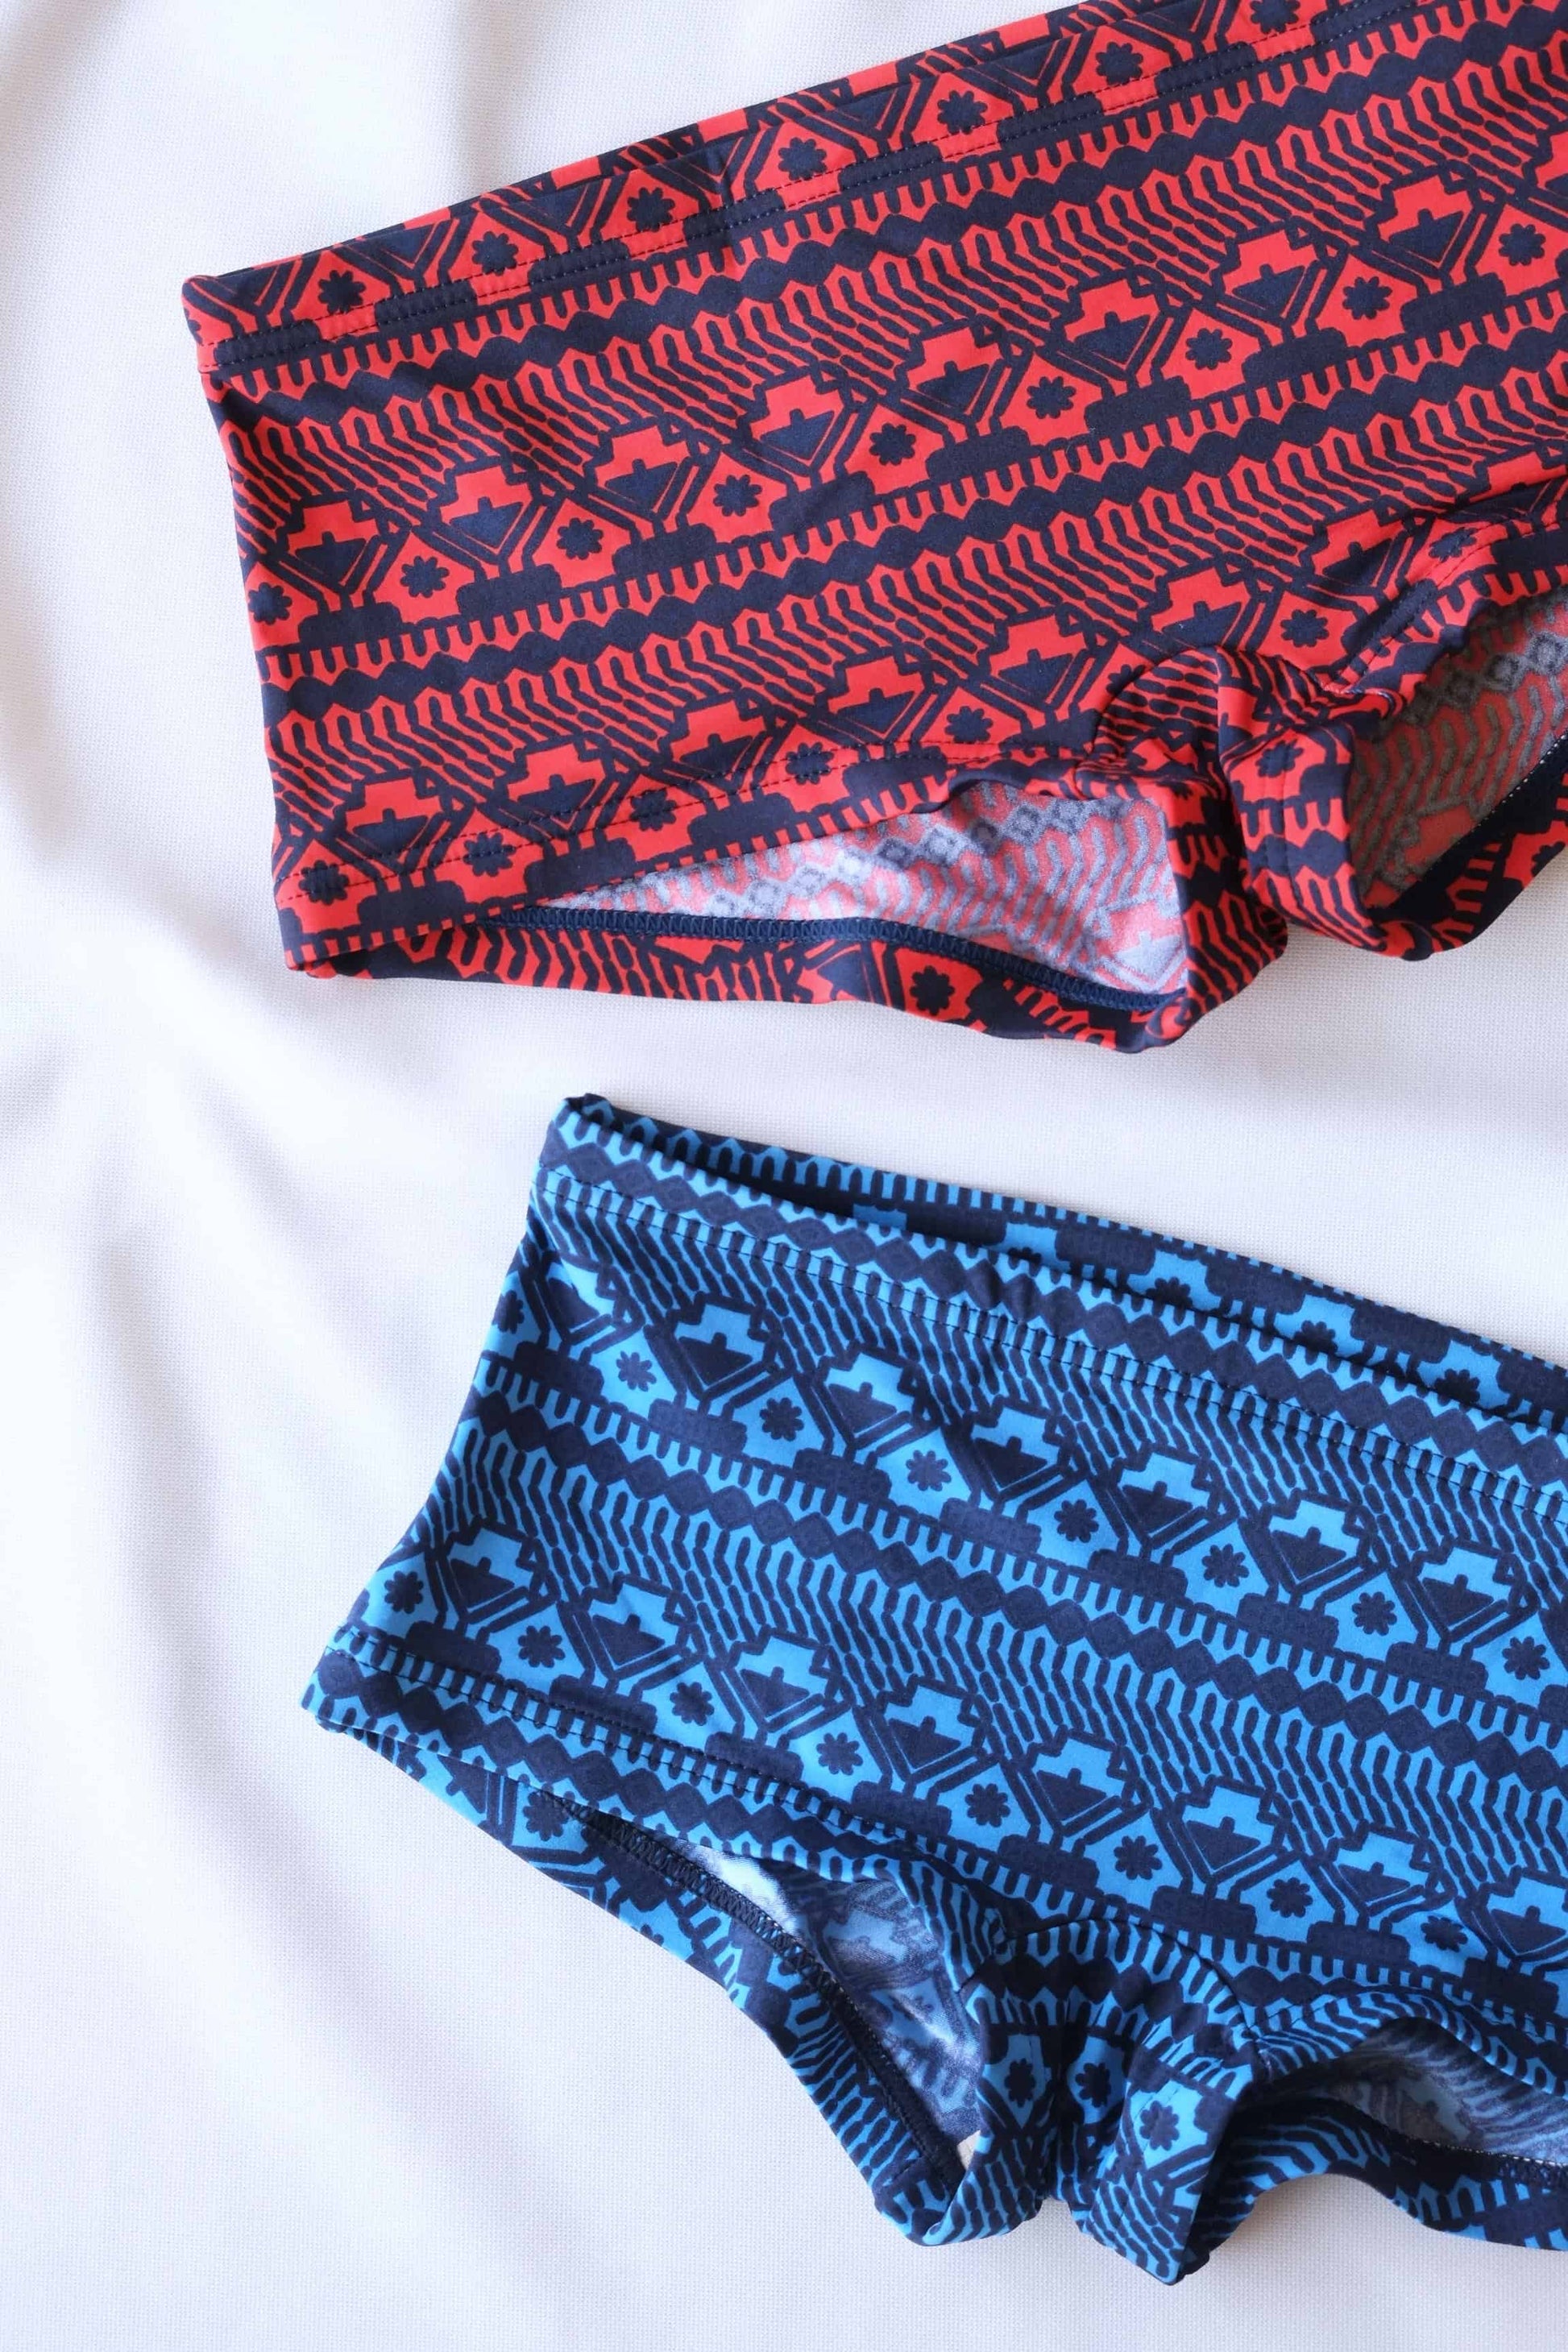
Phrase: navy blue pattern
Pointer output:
(1097, 1703)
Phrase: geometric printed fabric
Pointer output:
(1098, 1704)
(966, 537)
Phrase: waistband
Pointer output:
(669, 200)
(1142, 1306)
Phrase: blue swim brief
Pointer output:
(1096, 1702)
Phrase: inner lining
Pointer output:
(1089, 887)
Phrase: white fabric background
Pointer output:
(291, 2058)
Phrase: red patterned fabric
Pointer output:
(966, 537)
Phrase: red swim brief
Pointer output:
(1000, 535)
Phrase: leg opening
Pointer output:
(892, 1969)
(1082, 886)
(855, 1966)
(1477, 729)
(1413, 2078)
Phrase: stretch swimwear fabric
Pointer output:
(1099, 1704)
(981, 536)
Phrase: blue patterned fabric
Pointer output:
(1098, 1703)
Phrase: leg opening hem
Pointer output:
(912, 2167)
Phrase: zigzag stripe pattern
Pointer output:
(1130, 405)
(1098, 1703)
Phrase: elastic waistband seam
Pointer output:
(1241, 1403)
(455, 296)
(1016, 1210)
